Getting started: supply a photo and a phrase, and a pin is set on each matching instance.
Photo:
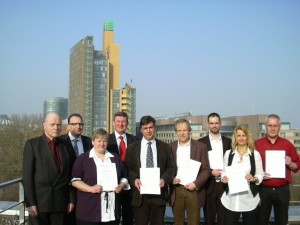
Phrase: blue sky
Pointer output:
(233, 57)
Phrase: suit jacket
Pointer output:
(86, 142)
(226, 146)
(198, 153)
(113, 145)
(44, 186)
(164, 161)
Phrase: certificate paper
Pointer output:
(236, 179)
(107, 176)
(275, 163)
(150, 178)
(188, 172)
(215, 160)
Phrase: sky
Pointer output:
(234, 57)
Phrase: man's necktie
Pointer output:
(122, 148)
(56, 154)
(76, 147)
(149, 159)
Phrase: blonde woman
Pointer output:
(244, 157)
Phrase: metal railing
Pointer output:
(21, 212)
(20, 204)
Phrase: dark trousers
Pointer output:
(48, 219)
(185, 202)
(149, 213)
(81, 222)
(249, 218)
(127, 212)
(279, 198)
(213, 207)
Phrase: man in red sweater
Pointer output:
(275, 191)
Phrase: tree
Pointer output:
(12, 141)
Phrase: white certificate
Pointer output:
(150, 178)
(188, 171)
(107, 176)
(275, 163)
(236, 179)
(215, 160)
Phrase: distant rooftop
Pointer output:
(4, 120)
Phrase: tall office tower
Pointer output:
(95, 80)
(112, 51)
(58, 105)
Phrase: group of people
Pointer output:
(73, 179)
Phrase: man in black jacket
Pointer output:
(217, 145)
(117, 143)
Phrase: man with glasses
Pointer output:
(77, 143)
(274, 191)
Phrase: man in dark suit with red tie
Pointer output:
(213, 208)
(46, 176)
(117, 143)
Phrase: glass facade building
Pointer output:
(58, 105)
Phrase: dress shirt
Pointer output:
(143, 157)
(243, 201)
(217, 147)
(119, 140)
(79, 143)
(183, 153)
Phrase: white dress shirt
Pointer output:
(143, 156)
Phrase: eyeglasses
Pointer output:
(75, 124)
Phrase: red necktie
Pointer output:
(122, 148)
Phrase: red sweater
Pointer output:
(264, 144)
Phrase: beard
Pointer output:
(214, 131)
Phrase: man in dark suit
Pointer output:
(188, 197)
(78, 144)
(116, 140)
(217, 145)
(149, 152)
(46, 176)
(74, 138)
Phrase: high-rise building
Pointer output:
(94, 89)
(58, 105)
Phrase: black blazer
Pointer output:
(226, 146)
(44, 186)
(86, 141)
(164, 161)
(113, 145)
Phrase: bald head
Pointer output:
(52, 125)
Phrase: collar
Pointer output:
(72, 138)
(107, 154)
(211, 138)
(145, 142)
(118, 135)
(186, 144)
(247, 153)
